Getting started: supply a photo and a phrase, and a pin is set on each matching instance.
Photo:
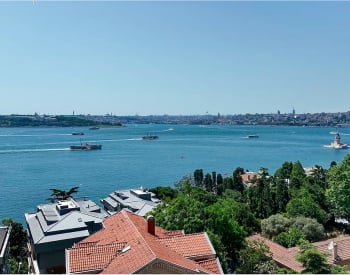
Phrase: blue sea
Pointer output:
(33, 160)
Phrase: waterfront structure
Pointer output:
(4, 248)
(337, 250)
(128, 243)
(138, 201)
(57, 226)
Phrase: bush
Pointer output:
(312, 230)
(274, 225)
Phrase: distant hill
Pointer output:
(52, 121)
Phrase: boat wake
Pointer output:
(32, 150)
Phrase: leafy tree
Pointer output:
(232, 194)
(297, 175)
(312, 230)
(237, 211)
(221, 222)
(291, 238)
(208, 183)
(183, 212)
(165, 193)
(255, 257)
(303, 204)
(58, 194)
(274, 225)
(259, 196)
(281, 195)
(284, 172)
(18, 247)
(338, 192)
(312, 259)
(237, 182)
(198, 177)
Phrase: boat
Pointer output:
(78, 134)
(94, 128)
(252, 136)
(86, 147)
(150, 137)
(336, 143)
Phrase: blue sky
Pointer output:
(174, 58)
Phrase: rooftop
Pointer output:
(63, 220)
(126, 246)
(138, 201)
(286, 256)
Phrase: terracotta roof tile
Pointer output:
(286, 256)
(281, 255)
(143, 247)
(211, 265)
(190, 245)
(343, 248)
(92, 257)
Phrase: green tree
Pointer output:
(255, 257)
(303, 204)
(18, 247)
(312, 230)
(208, 183)
(198, 177)
(183, 212)
(297, 175)
(165, 193)
(312, 259)
(274, 225)
(291, 238)
(237, 182)
(338, 192)
(58, 194)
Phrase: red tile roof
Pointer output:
(139, 248)
(190, 246)
(211, 265)
(286, 256)
(281, 255)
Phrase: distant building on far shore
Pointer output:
(138, 201)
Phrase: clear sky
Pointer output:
(174, 58)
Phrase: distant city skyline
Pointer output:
(175, 58)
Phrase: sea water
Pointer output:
(34, 160)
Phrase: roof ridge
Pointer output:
(126, 216)
(179, 236)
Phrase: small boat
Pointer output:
(150, 137)
(78, 134)
(86, 147)
(336, 143)
(252, 136)
(94, 128)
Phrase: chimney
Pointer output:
(335, 253)
(151, 225)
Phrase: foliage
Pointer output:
(235, 210)
(221, 221)
(259, 197)
(58, 194)
(18, 247)
(220, 250)
(274, 225)
(312, 230)
(338, 192)
(312, 259)
(166, 193)
(303, 204)
(290, 238)
(255, 257)
(183, 212)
